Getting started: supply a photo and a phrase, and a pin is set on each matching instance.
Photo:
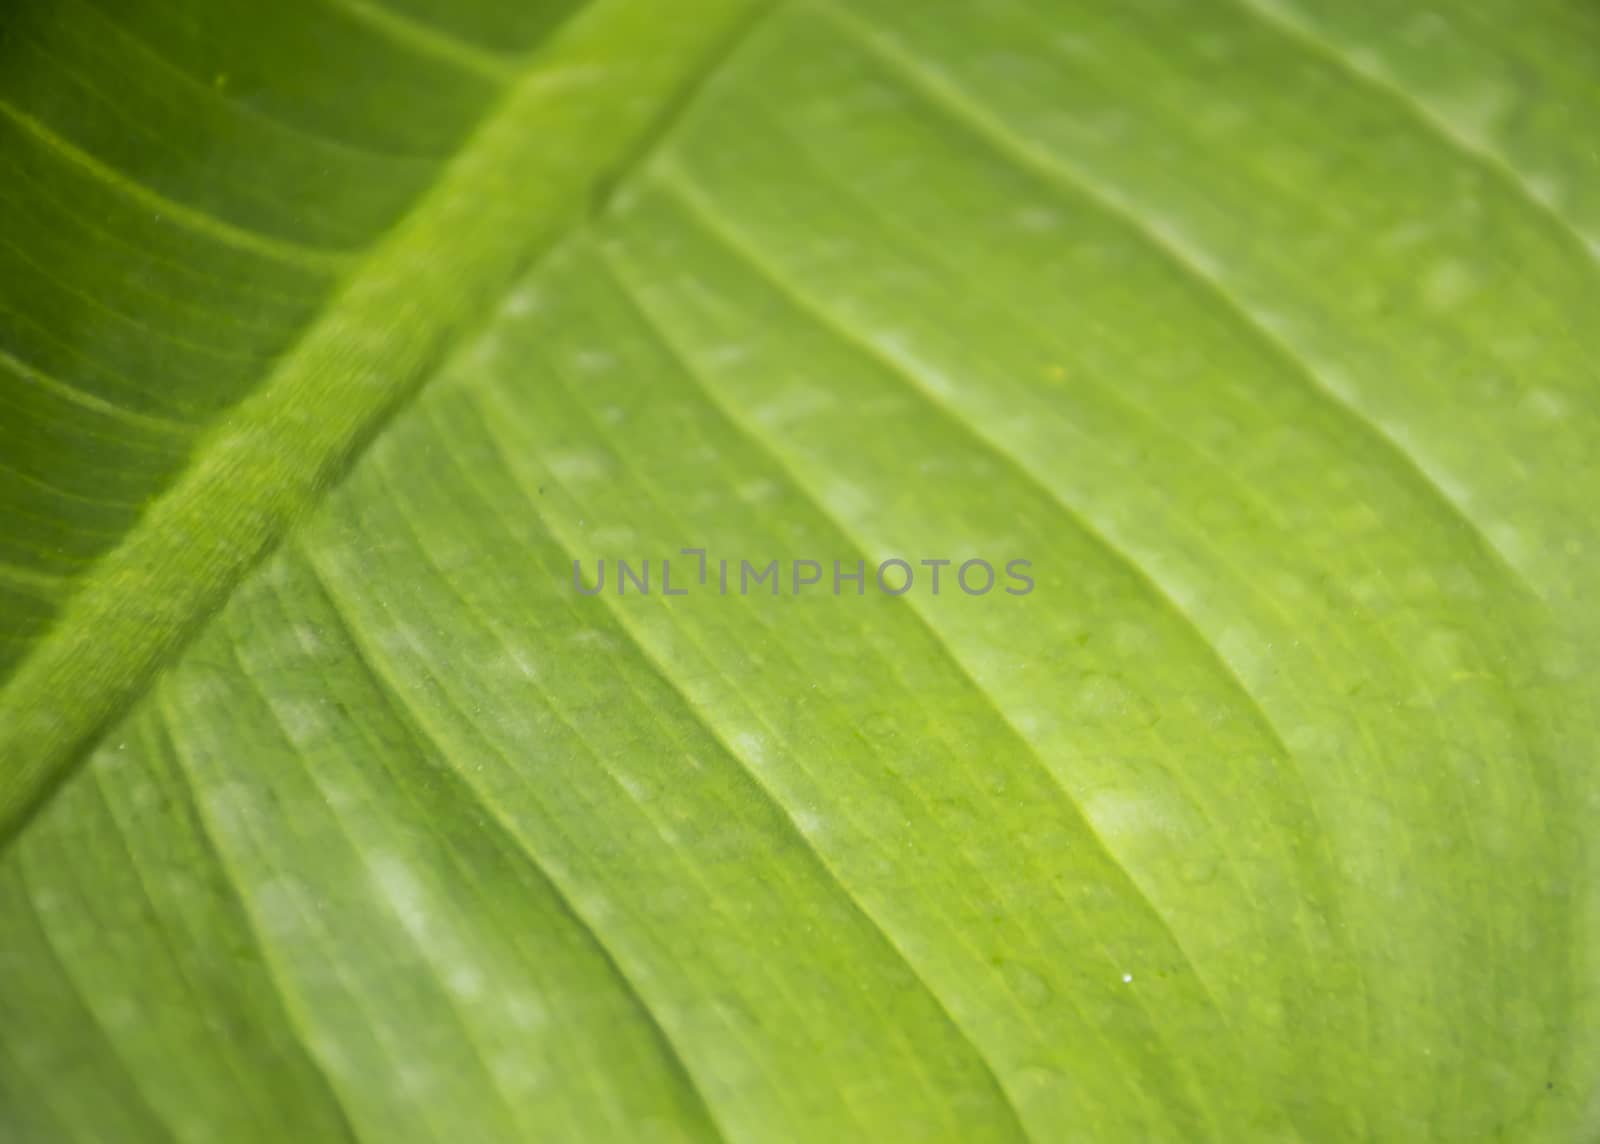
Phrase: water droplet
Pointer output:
(1026, 985)
(1198, 871)
(1038, 1087)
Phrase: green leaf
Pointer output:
(1255, 805)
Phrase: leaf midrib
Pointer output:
(522, 177)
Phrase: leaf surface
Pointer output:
(1263, 332)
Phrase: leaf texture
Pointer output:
(1263, 330)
